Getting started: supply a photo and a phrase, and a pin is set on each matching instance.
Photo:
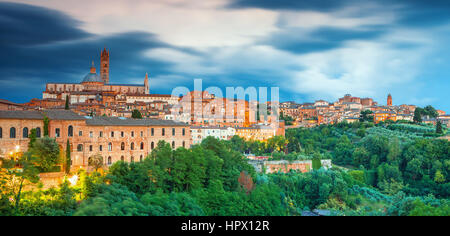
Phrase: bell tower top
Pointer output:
(146, 84)
(389, 100)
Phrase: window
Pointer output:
(90, 148)
(142, 133)
(184, 144)
(153, 131)
(132, 146)
(109, 160)
(132, 133)
(80, 133)
(12, 132)
(142, 146)
(112, 134)
(91, 134)
(100, 148)
(173, 131)
(163, 131)
(70, 131)
(140, 158)
(184, 131)
(109, 146)
(122, 158)
(122, 146)
(101, 134)
(1, 132)
(25, 132)
(121, 134)
(80, 147)
(38, 132)
(57, 133)
(173, 144)
(153, 145)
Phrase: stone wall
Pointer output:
(285, 166)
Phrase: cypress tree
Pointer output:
(67, 103)
(439, 127)
(68, 158)
(46, 121)
(32, 138)
(418, 115)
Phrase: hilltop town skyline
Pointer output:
(100, 64)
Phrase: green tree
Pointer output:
(45, 153)
(439, 177)
(46, 121)
(15, 174)
(418, 115)
(68, 161)
(366, 115)
(136, 114)
(67, 103)
(430, 111)
(439, 129)
(32, 138)
(316, 163)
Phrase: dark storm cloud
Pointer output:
(324, 38)
(26, 25)
(39, 45)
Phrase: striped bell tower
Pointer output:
(104, 66)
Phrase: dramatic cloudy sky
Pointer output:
(320, 49)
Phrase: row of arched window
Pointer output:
(122, 146)
(12, 132)
(25, 132)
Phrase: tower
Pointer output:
(389, 100)
(146, 84)
(104, 66)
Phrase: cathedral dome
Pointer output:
(92, 77)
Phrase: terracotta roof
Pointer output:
(9, 102)
(62, 115)
(25, 115)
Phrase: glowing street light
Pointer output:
(73, 180)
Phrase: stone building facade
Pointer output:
(113, 138)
